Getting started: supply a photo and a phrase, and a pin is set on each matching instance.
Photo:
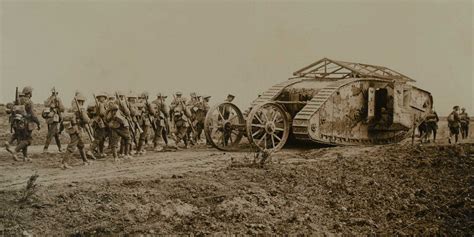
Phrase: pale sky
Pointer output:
(220, 47)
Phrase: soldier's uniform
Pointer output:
(75, 123)
(134, 115)
(26, 105)
(200, 126)
(194, 106)
(120, 131)
(21, 133)
(144, 118)
(432, 124)
(97, 113)
(53, 116)
(454, 124)
(226, 113)
(161, 121)
(464, 120)
(179, 115)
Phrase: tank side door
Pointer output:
(371, 104)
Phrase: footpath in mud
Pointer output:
(386, 190)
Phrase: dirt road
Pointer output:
(386, 190)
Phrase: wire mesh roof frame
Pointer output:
(331, 69)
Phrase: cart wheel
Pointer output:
(268, 126)
(224, 126)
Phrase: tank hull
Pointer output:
(362, 111)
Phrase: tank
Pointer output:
(327, 102)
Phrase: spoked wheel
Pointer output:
(224, 126)
(268, 127)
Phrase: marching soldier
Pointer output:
(464, 120)
(226, 113)
(119, 126)
(23, 103)
(454, 124)
(53, 116)
(97, 113)
(194, 106)
(179, 117)
(432, 124)
(145, 113)
(205, 108)
(76, 123)
(161, 121)
(135, 128)
(21, 133)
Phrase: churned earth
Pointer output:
(393, 189)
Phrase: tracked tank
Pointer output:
(330, 102)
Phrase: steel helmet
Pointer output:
(27, 90)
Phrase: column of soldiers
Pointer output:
(458, 123)
(124, 121)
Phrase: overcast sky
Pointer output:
(239, 47)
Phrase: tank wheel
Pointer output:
(224, 126)
(268, 126)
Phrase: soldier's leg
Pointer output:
(124, 134)
(22, 146)
(156, 138)
(142, 139)
(82, 150)
(71, 147)
(49, 136)
(164, 135)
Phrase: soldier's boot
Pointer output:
(90, 155)
(127, 153)
(165, 139)
(65, 160)
(45, 149)
(83, 156)
(114, 154)
(25, 155)
(157, 147)
(185, 140)
(140, 147)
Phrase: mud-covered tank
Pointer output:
(330, 102)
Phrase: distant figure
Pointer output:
(464, 119)
(432, 124)
(454, 124)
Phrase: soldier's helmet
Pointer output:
(27, 90)
(178, 93)
(102, 94)
(231, 96)
(113, 107)
(144, 94)
(456, 107)
(121, 93)
(159, 95)
(80, 97)
(131, 95)
(206, 97)
(193, 94)
(463, 109)
(21, 94)
(91, 107)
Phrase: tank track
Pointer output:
(274, 91)
(301, 120)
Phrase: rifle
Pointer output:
(130, 122)
(17, 97)
(153, 125)
(140, 130)
(87, 125)
(167, 125)
(184, 110)
(12, 113)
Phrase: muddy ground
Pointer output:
(393, 189)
